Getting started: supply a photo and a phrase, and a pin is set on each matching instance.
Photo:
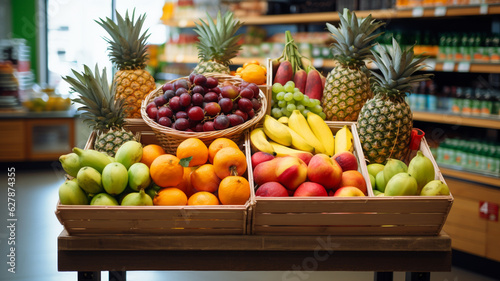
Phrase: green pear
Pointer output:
(401, 184)
(422, 169)
(435, 187)
(103, 199)
(71, 194)
(380, 181)
(393, 167)
(372, 181)
(374, 168)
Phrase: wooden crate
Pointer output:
(155, 220)
(397, 215)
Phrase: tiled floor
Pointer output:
(37, 229)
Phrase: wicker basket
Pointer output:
(170, 138)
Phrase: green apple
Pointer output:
(374, 168)
(435, 187)
(401, 184)
(380, 181)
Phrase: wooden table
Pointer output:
(417, 255)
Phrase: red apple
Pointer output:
(324, 170)
(271, 189)
(304, 156)
(346, 160)
(259, 157)
(348, 191)
(353, 178)
(291, 171)
(265, 172)
(308, 188)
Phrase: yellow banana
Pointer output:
(322, 132)
(259, 141)
(299, 142)
(298, 123)
(343, 140)
(282, 150)
(283, 119)
(277, 131)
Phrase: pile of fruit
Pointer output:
(396, 178)
(252, 72)
(145, 176)
(200, 104)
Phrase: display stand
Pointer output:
(417, 255)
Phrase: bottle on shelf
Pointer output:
(457, 100)
(467, 101)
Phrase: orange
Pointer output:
(185, 184)
(251, 62)
(150, 152)
(203, 198)
(234, 190)
(195, 148)
(166, 170)
(254, 74)
(229, 161)
(204, 178)
(217, 145)
(170, 196)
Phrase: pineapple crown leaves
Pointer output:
(217, 41)
(101, 110)
(127, 45)
(397, 67)
(353, 37)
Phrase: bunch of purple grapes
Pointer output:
(200, 104)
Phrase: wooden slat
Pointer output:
(254, 243)
(348, 219)
(149, 214)
(348, 230)
(134, 232)
(378, 204)
(152, 224)
(475, 236)
(468, 246)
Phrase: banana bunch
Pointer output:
(296, 134)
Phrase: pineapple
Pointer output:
(128, 52)
(386, 121)
(218, 44)
(347, 86)
(103, 112)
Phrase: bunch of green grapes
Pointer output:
(286, 98)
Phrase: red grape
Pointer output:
(198, 89)
(181, 114)
(196, 113)
(181, 124)
(181, 83)
(191, 77)
(245, 105)
(212, 82)
(175, 104)
(235, 120)
(181, 91)
(256, 104)
(198, 127)
(152, 112)
(255, 89)
(216, 90)
(244, 84)
(151, 104)
(226, 105)
(165, 111)
(167, 86)
(221, 122)
(212, 108)
(210, 97)
(208, 126)
(229, 91)
(244, 115)
(168, 94)
(246, 93)
(200, 79)
(165, 121)
(160, 100)
(197, 99)
(251, 114)
(185, 99)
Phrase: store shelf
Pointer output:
(469, 176)
(428, 12)
(458, 120)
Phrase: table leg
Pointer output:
(117, 276)
(383, 276)
(89, 276)
(418, 276)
